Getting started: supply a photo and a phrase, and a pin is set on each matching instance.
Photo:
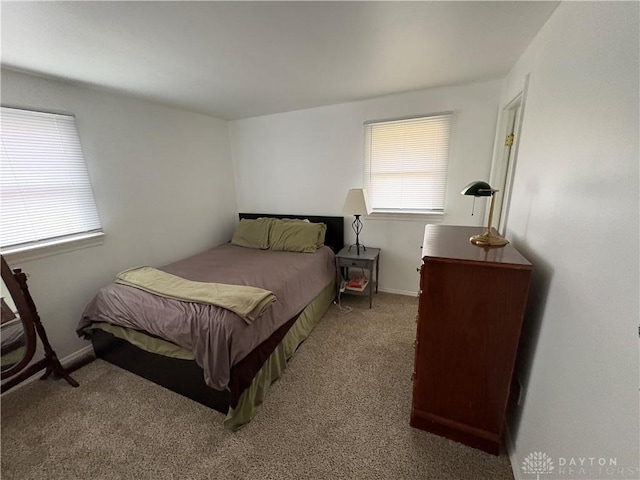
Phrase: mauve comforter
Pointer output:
(217, 337)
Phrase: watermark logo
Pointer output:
(537, 463)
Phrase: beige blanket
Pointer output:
(247, 302)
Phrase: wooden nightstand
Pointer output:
(368, 259)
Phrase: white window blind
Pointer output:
(45, 192)
(406, 163)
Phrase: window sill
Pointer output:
(432, 217)
(54, 247)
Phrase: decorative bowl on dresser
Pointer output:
(470, 312)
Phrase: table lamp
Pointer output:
(488, 238)
(357, 203)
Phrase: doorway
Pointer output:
(504, 162)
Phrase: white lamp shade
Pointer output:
(357, 202)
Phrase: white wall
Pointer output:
(574, 214)
(304, 162)
(163, 183)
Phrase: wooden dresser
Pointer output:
(471, 305)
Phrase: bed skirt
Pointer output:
(276, 363)
(247, 405)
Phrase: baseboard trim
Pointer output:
(80, 357)
(398, 292)
(511, 452)
(70, 362)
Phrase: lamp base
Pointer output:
(488, 239)
(357, 228)
(358, 246)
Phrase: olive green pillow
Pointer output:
(322, 229)
(253, 233)
(296, 236)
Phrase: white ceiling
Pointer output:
(242, 59)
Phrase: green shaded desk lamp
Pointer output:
(488, 238)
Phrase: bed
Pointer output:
(210, 354)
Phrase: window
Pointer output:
(406, 164)
(45, 192)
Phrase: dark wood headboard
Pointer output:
(335, 226)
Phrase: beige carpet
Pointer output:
(341, 411)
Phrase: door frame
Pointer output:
(505, 158)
